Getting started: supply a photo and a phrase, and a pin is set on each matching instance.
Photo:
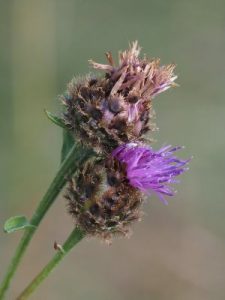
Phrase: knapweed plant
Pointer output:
(107, 163)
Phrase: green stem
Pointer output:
(76, 156)
(76, 235)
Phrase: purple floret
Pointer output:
(149, 170)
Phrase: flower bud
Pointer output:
(102, 201)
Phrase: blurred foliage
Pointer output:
(177, 252)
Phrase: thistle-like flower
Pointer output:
(106, 196)
(151, 171)
(111, 114)
(106, 112)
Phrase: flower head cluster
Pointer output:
(111, 114)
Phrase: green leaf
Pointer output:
(68, 143)
(68, 140)
(16, 223)
(56, 120)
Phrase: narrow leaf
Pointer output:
(68, 142)
(55, 119)
(16, 223)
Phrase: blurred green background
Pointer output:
(176, 252)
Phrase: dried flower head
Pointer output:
(108, 111)
(151, 171)
(137, 78)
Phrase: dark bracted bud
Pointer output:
(102, 201)
(117, 108)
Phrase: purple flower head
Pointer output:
(149, 170)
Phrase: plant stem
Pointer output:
(75, 157)
(76, 235)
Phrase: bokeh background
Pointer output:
(176, 252)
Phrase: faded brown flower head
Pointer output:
(104, 112)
